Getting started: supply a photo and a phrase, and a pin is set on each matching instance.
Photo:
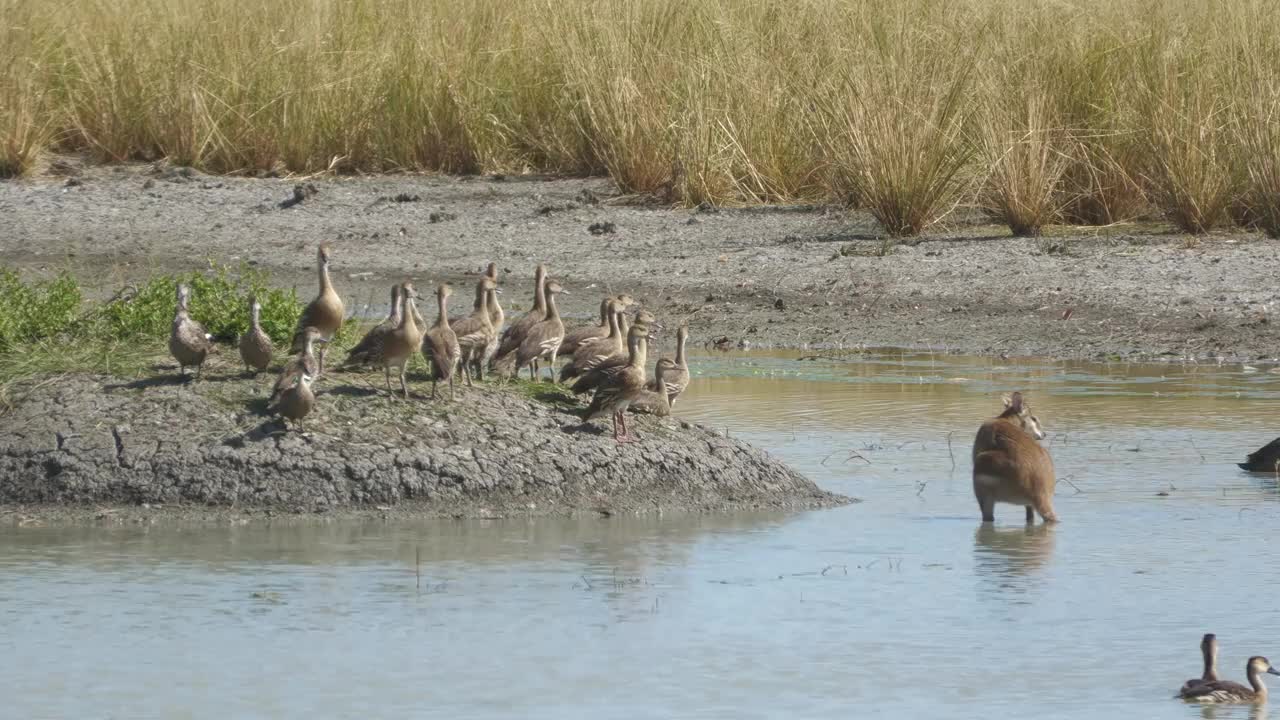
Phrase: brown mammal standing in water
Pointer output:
(1009, 466)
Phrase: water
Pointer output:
(900, 606)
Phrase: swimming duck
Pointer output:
(543, 339)
(188, 342)
(1265, 459)
(619, 387)
(1225, 691)
(1209, 651)
(325, 313)
(440, 346)
(677, 379)
(256, 347)
(576, 337)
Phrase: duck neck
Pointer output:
(539, 291)
(442, 306)
(325, 284)
(481, 297)
(552, 311)
(1255, 681)
(638, 352)
(680, 349)
(1210, 665)
(491, 300)
(604, 313)
(615, 331)
(394, 316)
(308, 346)
(255, 316)
(406, 314)
(623, 326)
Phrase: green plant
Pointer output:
(38, 310)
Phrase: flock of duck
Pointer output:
(607, 360)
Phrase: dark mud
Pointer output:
(92, 446)
(761, 277)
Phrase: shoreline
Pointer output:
(801, 277)
(87, 447)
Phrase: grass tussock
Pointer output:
(47, 328)
(1085, 112)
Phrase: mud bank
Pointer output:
(791, 277)
(192, 448)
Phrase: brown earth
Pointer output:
(791, 277)
(93, 446)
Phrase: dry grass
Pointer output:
(1040, 109)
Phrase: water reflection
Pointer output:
(1013, 552)
(1226, 712)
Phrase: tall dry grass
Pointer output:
(1043, 111)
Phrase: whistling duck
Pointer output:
(188, 342)
(440, 345)
(325, 313)
(621, 385)
(256, 347)
(1225, 691)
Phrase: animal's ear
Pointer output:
(1014, 402)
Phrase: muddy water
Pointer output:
(901, 606)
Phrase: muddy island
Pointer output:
(521, 449)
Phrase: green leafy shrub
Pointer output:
(36, 310)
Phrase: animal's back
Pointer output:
(1009, 466)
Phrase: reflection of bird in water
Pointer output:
(1013, 551)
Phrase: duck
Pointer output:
(656, 397)
(1209, 651)
(575, 338)
(369, 350)
(594, 351)
(677, 379)
(1264, 459)
(325, 313)
(476, 332)
(188, 342)
(403, 341)
(1224, 691)
(620, 386)
(543, 339)
(295, 401)
(440, 346)
(590, 379)
(514, 334)
(256, 347)
(304, 363)
(497, 318)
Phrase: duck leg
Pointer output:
(1031, 515)
(452, 396)
(386, 369)
(320, 370)
(616, 437)
(553, 366)
(404, 387)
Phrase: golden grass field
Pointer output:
(1082, 112)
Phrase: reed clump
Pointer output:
(1087, 112)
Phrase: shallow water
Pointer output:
(901, 606)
